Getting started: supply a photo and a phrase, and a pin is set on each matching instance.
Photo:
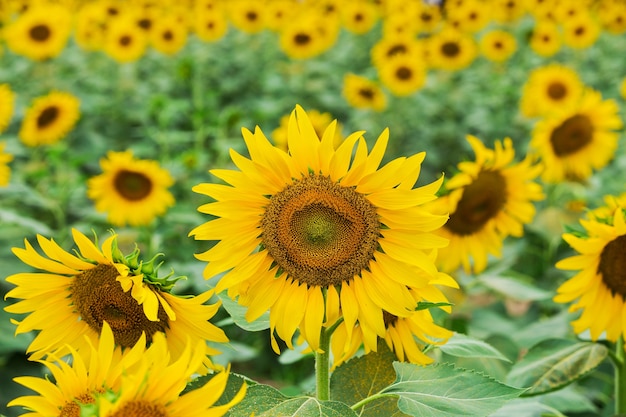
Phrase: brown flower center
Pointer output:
(612, 266)
(404, 73)
(168, 35)
(302, 38)
(557, 90)
(320, 232)
(47, 117)
(132, 185)
(97, 297)
(450, 49)
(572, 135)
(126, 40)
(72, 408)
(366, 93)
(40, 33)
(482, 200)
(396, 49)
(140, 409)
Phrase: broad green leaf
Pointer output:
(555, 363)
(527, 407)
(445, 391)
(363, 377)
(238, 313)
(514, 288)
(468, 347)
(266, 401)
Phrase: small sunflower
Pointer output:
(546, 38)
(49, 119)
(279, 13)
(41, 32)
(319, 120)
(402, 75)
(394, 45)
(7, 103)
(210, 25)
(507, 11)
(359, 16)
(581, 31)
(472, 16)
(577, 140)
(429, 18)
(598, 287)
(305, 37)
(451, 50)
(5, 171)
(612, 17)
(89, 29)
(362, 93)
(549, 89)
(131, 191)
(68, 302)
(498, 45)
(140, 381)
(320, 230)
(247, 15)
(489, 199)
(167, 35)
(124, 40)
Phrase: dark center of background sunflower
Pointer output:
(97, 297)
(302, 39)
(133, 186)
(482, 200)
(366, 93)
(47, 117)
(126, 40)
(557, 90)
(40, 33)
(396, 49)
(404, 73)
(139, 408)
(450, 49)
(319, 232)
(168, 35)
(572, 135)
(612, 266)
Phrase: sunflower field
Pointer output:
(312, 208)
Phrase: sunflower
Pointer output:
(472, 16)
(402, 75)
(319, 230)
(49, 119)
(5, 171)
(7, 103)
(397, 44)
(598, 287)
(210, 25)
(550, 88)
(89, 28)
(581, 31)
(306, 37)
(124, 40)
(451, 50)
(612, 16)
(247, 15)
(507, 11)
(489, 199)
(498, 45)
(578, 139)
(41, 32)
(622, 88)
(362, 93)
(319, 120)
(131, 191)
(429, 18)
(68, 302)
(167, 35)
(399, 24)
(110, 382)
(359, 16)
(545, 39)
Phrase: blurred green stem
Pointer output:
(322, 366)
(620, 378)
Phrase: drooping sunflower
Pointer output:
(167, 35)
(451, 50)
(319, 220)
(403, 75)
(363, 93)
(41, 32)
(320, 121)
(581, 31)
(578, 139)
(549, 89)
(498, 45)
(5, 171)
(130, 190)
(139, 381)
(49, 118)
(545, 39)
(124, 40)
(489, 199)
(7, 103)
(598, 287)
(70, 299)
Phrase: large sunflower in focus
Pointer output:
(131, 191)
(598, 288)
(550, 88)
(578, 139)
(489, 199)
(74, 294)
(319, 120)
(49, 119)
(320, 230)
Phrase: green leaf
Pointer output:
(555, 363)
(513, 287)
(363, 377)
(467, 347)
(423, 305)
(266, 401)
(445, 391)
(238, 313)
(233, 385)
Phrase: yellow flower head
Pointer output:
(49, 119)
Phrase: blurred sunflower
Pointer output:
(472, 16)
(5, 171)
(131, 191)
(359, 16)
(304, 37)
(279, 13)
(320, 121)
(317, 221)
(581, 31)
(612, 17)
(549, 89)
(428, 18)
(578, 139)
(247, 15)
(403, 75)
(41, 32)
(362, 93)
(598, 287)
(489, 199)
(210, 25)
(7, 103)
(622, 88)
(68, 302)
(49, 119)
(124, 40)
(89, 27)
(399, 24)
(507, 11)
(167, 35)
(397, 44)
(451, 50)
(545, 39)
(136, 382)
(498, 45)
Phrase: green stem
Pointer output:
(322, 366)
(370, 399)
(620, 378)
